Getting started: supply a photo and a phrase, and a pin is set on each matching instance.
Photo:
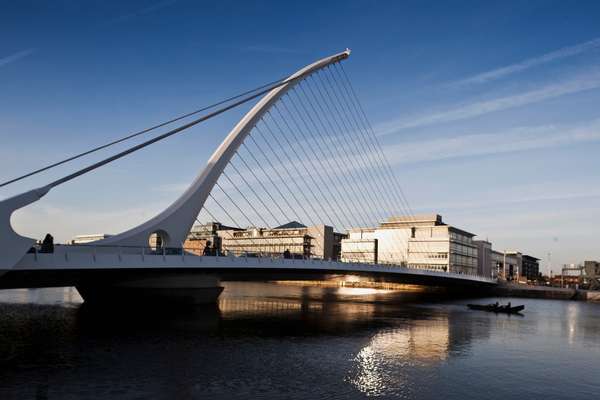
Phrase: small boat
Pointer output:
(507, 309)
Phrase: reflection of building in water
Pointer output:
(50, 296)
(423, 342)
(267, 306)
(301, 241)
(420, 241)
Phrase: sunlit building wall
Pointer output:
(420, 241)
(301, 241)
(203, 235)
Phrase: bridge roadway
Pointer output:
(99, 272)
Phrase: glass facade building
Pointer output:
(419, 241)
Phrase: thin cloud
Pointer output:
(64, 222)
(15, 57)
(578, 84)
(503, 197)
(470, 145)
(532, 62)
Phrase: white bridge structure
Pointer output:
(305, 151)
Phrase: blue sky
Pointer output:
(488, 111)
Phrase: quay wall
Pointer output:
(544, 292)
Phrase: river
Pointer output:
(274, 341)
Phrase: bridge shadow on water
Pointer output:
(253, 331)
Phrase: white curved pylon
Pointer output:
(174, 222)
(12, 245)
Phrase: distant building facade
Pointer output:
(592, 268)
(513, 261)
(203, 235)
(299, 240)
(530, 267)
(486, 266)
(420, 241)
(592, 272)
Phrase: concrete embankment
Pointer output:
(544, 292)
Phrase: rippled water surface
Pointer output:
(280, 341)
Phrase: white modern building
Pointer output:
(419, 241)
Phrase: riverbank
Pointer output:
(545, 292)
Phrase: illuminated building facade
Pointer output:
(420, 241)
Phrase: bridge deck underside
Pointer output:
(108, 269)
(78, 277)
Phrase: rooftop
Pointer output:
(434, 219)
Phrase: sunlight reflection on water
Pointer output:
(285, 341)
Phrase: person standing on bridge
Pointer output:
(207, 249)
(47, 244)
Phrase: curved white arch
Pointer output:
(12, 245)
(179, 217)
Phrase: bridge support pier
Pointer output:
(188, 289)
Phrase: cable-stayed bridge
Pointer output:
(304, 152)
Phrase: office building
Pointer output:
(203, 235)
(485, 263)
(530, 267)
(299, 240)
(507, 264)
(420, 241)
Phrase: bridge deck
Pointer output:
(66, 259)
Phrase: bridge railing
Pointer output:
(148, 251)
